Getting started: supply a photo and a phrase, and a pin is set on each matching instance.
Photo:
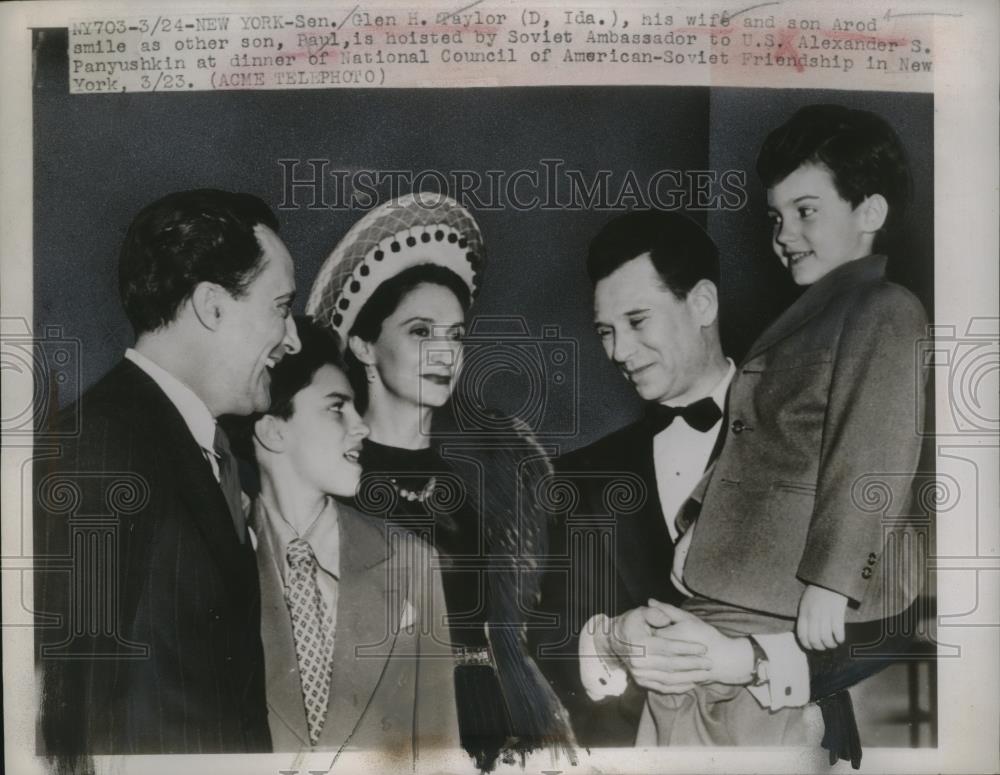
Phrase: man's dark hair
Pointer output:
(862, 152)
(183, 239)
(384, 301)
(682, 253)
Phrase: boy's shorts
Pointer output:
(721, 714)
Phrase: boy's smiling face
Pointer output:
(815, 230)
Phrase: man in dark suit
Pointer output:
(655, 281)
(148, 602)
(655, 276)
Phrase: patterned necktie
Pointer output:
(229, 480)
(312, 627)
(701, 415)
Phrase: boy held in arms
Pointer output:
(821, 418)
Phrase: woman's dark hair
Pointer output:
(383, 302)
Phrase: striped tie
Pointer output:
(229, 479)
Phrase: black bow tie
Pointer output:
(701, 415)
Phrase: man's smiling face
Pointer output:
(258, 328)
(654, 338)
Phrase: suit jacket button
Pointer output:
(872, 558)
(738, 426)
(866, 573)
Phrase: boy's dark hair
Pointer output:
(862, 152)
(681, 251)
(319, 347)
(385, 299)
(296, 371)
(185, 238)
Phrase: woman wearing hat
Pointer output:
(397, 290)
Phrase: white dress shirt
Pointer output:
(323, 535)
(680, 457)
(192, 409)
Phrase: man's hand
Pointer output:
(820, 624)
(656, 664)
(731, 658)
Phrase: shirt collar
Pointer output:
(323, 535)
(718, 393)
(195, 414)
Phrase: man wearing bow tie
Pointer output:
(656, 312)
(655, 277)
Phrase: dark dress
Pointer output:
(504, 704)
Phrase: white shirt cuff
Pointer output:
(787, 672)
(601, 674)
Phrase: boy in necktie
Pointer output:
(354, 652)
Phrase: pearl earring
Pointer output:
(369, 372)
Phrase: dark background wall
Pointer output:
(99, 159)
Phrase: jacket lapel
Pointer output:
(284, 686)
(371, 597)
(815, 298)
(646, 534)
(195, 483)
